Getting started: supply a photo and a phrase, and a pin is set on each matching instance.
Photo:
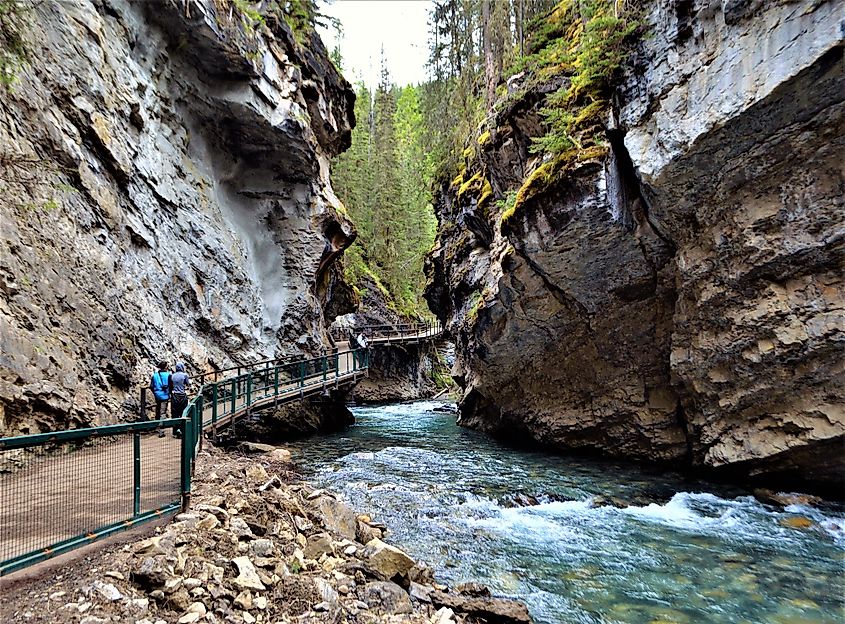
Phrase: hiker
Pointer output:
(179, 383)
(159, 384)
(362, 345)
(362, 340)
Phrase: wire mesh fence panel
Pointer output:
(71, 489)
(56, 492)
(160, 465)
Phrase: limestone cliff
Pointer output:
(165, 194)
(681, 297)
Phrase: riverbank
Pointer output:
(257, 545)
(583, 539)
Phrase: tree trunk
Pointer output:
(489, 62)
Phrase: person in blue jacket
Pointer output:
(179, 384)
(160, 385)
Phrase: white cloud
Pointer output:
(401, 26)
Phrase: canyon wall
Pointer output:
(164, 174)
(679, 296)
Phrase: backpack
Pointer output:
(159, 384)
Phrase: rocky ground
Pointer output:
(257, 545)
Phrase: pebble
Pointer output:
(243, 600)
(107, 591)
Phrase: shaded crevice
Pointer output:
(635, 202)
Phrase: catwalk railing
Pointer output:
(73, 487)
(65, 489)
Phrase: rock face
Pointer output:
(681, 298)
(398, 373)
(165, 176)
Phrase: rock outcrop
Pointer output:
(679, 298)
(164, 168)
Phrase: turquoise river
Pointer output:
(683, 551)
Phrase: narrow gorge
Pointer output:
(431, 312)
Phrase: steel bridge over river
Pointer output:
(65, 489)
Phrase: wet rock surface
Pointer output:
(165, 174)
(679, 299)
(246, 552)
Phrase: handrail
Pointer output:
(216, 403)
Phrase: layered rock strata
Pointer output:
(681, 298)
(164, 168)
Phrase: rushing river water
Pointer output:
(699, 553)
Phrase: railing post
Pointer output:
(136, 465)
(142, 410)
(276, 380)
(266, 378)
(187, 453)
(248, 391)
(234, 402)
(325, 363)
(214, 398)
(301, 375)
(198, 410)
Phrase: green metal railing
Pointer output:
(126, 473)
(127, 467)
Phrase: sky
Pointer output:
(398, 25)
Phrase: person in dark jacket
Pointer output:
(179, 383)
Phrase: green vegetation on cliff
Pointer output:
(14, 53)
(577, 44)
(384, 181)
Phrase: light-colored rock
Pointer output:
(327, 591)
(336, 516)
(247, 575)
(388, 560)
(256, 447)
(386, 596)
(318, 545)
(240, 528)
(256, 473)
(107, 591)
(262, 548)
(243, 600)
(444, 615)
(280, 455)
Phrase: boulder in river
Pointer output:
(784, 499)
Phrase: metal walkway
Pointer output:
(64, 489)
